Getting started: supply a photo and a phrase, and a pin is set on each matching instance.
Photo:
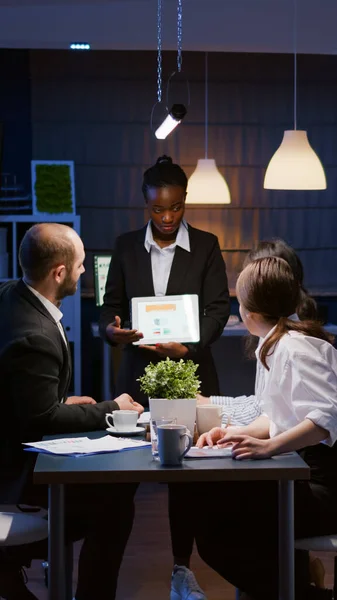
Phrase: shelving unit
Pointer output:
(16, 226)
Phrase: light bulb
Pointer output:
(174, 117)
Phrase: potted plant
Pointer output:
(172, 387)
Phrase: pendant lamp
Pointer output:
(295, 165)
(206, 184)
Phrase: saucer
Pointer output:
(134, 431)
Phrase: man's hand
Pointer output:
(245, 446)
(80, 400)
(125, 402)
(122, 336)
(202, 399)
(171, 349)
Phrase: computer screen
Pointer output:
(101, 268)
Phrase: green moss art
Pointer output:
(53, 189)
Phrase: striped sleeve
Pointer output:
(241, 410)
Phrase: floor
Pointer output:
(148, 557)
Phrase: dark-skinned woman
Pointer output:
(167, 257)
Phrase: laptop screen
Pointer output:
(101, 268)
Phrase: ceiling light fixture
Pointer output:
(295, 165)
(206, 184)
(175, 115)
(79, 46)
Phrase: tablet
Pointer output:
(163, 319)
(209, 452)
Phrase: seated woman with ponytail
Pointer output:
(297, 391)
(242, 410)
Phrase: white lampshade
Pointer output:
(295, 165)
(206, 184)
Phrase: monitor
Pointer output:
(101, 268)
(1, 152)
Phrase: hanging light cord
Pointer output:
(295, 63)
(179, 56)
(206, 104)
(159, 61)
(159, 53)
(179, 34)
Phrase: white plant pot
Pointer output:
(184, 410)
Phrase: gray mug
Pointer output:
(173, 443)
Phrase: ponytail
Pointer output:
(284, 325)
(307, 307)
(306, 311)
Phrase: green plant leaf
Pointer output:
(170, 379)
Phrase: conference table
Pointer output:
(138, 466)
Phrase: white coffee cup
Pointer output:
(208, 416)
(123, 420)
(173, 443)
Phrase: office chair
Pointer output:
(19, 528)
(321, 543)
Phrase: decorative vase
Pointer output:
(183, 409)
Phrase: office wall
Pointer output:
(15, 116)
(95, 108)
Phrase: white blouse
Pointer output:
(242, 410)
(162, 258)
(301, 384)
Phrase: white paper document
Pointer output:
(209, 452)
(166, 318)
(80, 446)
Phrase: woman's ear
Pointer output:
(255, 318)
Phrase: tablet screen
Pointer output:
(164, 319)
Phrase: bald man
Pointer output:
(35, 373)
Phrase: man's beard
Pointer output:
(67, 288)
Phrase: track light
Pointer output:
(174, 117)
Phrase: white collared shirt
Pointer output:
(51, 308)
(301, 384)
(243, 410)
(162, 258)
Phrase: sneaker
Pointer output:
(184, 585)
(315, 593)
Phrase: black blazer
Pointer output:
(201, 271)
(35, 373)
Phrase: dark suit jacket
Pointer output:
(201, 271)
(35, 373)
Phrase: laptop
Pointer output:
(101, 269)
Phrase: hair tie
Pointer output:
(164, 159)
